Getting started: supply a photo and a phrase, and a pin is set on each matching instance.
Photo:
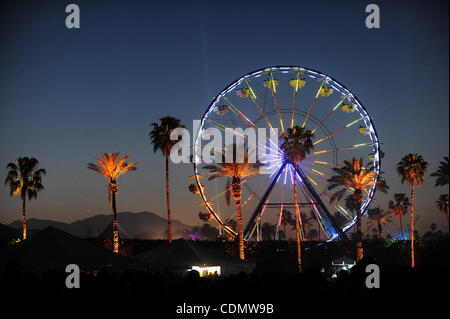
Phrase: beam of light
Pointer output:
(275, 100)
(326, 229)
(291, 177)
(341, 148)
(327, 196)
(345, 213)
(249, 122)
(314, 101)
(282, 202)
(265, 205)
(226, 190)
(278, 164)
(295, 100)
(258, 106)
(331, 112)
(322, 163)
(239, 112)
(335, 132)
(319, 172)
(257, 189)
(223, 128)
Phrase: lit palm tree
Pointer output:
(398, 207)
(112, 167)
(412, 169)
(24, 178)
(235, 172)
(160, 138)
(354, 176)
(442, 204)
(296, 143)
(442, 173)
(378, 217)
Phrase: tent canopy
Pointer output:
(107, 233)
(52, 248)
(8, 233)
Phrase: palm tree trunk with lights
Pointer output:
(240, 230)
(115, 222)
(297, 226)
(24, 220)
(169, 220)
(412, 225)
(112, 167)
(236, 189)
(359, 247)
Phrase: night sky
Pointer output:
(68, 95)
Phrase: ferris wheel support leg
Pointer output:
(321, 205)
(263, 200)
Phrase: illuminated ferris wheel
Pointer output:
(276, 99)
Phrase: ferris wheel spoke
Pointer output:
(317, 213)
(314, 102)
(322, 191)
(318, 202)
(256, 191)
(239, 114)
(341, 148)
(337, 131)
(328, 115)
(294, 102)
(317, 172)
(259, 207)
(224, 128)
(275, 100)
(258, 105)
(246, 120)
(281, 206)
(227, 190)
(322, 163)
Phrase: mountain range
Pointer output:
(142, 225)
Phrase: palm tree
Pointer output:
(24, 178)
(354, 176)
(313, 234)
(236, 172)
(160, 138)
(442, 204)
(112, 167)
(379, 217)
(286, 218)
(412, 169)
(442, 173)
(398, 207)
(268, 230)
(296, 143)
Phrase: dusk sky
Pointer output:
(68, 95)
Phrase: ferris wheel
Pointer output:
(276, 99)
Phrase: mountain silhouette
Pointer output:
(142, 225)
